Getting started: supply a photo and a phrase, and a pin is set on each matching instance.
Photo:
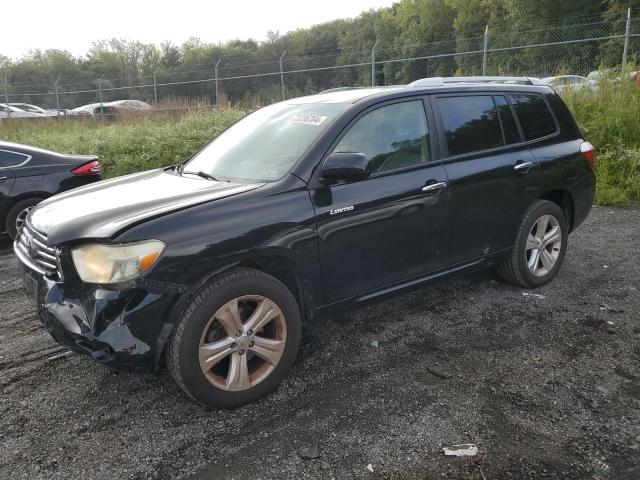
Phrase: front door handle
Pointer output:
(522, 167)
(434, 187)
(2, 179)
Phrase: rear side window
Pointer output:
(11, 159)
(535, 118)
(511, 134)
(470, 123)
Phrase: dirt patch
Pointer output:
(545, 387)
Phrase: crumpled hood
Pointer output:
(101, 209)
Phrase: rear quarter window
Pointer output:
(11, 159)
(534, 115)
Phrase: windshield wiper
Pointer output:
(201, 174)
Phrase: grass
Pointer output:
(130, 145)
(609, 117)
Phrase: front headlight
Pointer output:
(106, 264)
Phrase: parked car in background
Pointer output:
(299, 210)
(569, 82)
(9, 111)
(120, 107)
(58, 112)
(28, 175)
(27, 107)
(599, 75)
(84, 110)
(115, 108)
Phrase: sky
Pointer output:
(73, 25)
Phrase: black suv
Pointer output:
(302, 208)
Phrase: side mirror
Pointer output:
(346, 166)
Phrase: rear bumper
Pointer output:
(123, 329)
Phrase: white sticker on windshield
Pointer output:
(308, 119)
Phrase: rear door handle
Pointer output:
(523, 167)
(434, 187)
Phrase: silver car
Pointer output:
(9, 111)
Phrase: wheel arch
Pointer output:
(277, 265)
(563, 199)
(13, 201)
(285, 270)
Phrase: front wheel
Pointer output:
(540, 246)
(18, 215)
(236, 340)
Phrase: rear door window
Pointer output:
(11, 159)
(470, 123)
(535, 117)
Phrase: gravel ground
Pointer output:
(547, 385)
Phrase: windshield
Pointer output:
(265, 145)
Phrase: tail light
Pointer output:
(91, 168)
(588, 153)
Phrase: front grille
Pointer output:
(32, 249)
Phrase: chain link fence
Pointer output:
(574, 46)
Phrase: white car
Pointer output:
(15, 112)
(569, 82)
(608, 74)
(27, 107)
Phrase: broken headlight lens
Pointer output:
(106, 264)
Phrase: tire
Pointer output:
(516, 269)
(16, 211)
(214, 375)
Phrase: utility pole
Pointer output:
(626, 39)
(373, 64)
(55, 85)
(155, 88)
(216, 76)
(6, 97)
(282, 75)
(484, 50)
(100, 92)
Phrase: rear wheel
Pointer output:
(236, 340)
(540, 246)
(18, 214)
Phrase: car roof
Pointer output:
(340, 95)
(26, 149)
(351, 95)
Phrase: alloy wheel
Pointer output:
(242, 343)
(543, 245)
(22, 218)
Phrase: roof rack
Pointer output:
(441, 81)
(341, 89)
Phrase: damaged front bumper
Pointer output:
(124, 329)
